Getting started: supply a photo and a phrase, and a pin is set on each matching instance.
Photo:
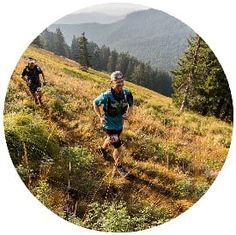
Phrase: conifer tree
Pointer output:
(38, 41)
(94, 55)
(83, 51)
(122, 62)
(104, 57)
(205, 81)
(75, 49)
(60, 45)
(112, 61)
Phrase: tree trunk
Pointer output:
(68, 198)
(191, 75)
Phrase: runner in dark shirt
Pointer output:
(31, 74)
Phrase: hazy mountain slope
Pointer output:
(89, 17)
(150, 35)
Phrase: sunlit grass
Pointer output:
(175, 157)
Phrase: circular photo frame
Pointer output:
(118, 117)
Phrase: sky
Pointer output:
(116, 9)
(100, 13)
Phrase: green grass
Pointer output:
(168, 152)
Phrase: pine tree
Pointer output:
(208, 90)
(75, 49)
(95, 59)
(94, 55)
(191, 74)
(122, 62)
(48, 40)
(112, 61)
(138, 74)
(38, 41)
(130, 69)
(162, 83)
(84, 57)
(60, 45)
(104, 57)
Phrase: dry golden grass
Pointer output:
(170, 154)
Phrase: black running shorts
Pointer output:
(34, 88)
(118, 143)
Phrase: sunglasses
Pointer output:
(119, 81)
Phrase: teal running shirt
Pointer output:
(114, 106)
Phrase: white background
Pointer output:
(21, 21)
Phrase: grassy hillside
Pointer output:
(173, 157)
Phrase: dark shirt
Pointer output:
(32, 74)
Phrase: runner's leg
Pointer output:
(106, 143)
(35, 98)
(39, 97)
(117, 156)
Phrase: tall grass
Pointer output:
(173, 157)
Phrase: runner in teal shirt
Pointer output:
(117, 106)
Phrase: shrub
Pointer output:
(116, 217)
(27, 129)
(153, 216)
(108, 217)
(23, 171)
(200, 189)
(78, 155)
(184, 188)
(43, 193)
(49, 196)
(225, 141)
(57, 106)
(165, 152)
(159, 154)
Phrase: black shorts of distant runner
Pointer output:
(35, 88)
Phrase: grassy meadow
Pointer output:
(173, 157)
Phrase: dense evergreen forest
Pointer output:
(105, 59)
(149, 35)
(198, 83)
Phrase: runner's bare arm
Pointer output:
(43, 76)
(25, 79)
(98, 112)
(128, 112)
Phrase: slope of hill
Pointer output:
(173, 158)
(89, 17)
(149, 35)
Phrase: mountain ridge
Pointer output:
(149, 35)
(89, 17)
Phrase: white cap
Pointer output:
(117, 75)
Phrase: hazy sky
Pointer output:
(115, 9)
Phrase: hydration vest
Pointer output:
(114, 106)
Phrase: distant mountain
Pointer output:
(89, 17)
(115, 9)
(150, 35)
